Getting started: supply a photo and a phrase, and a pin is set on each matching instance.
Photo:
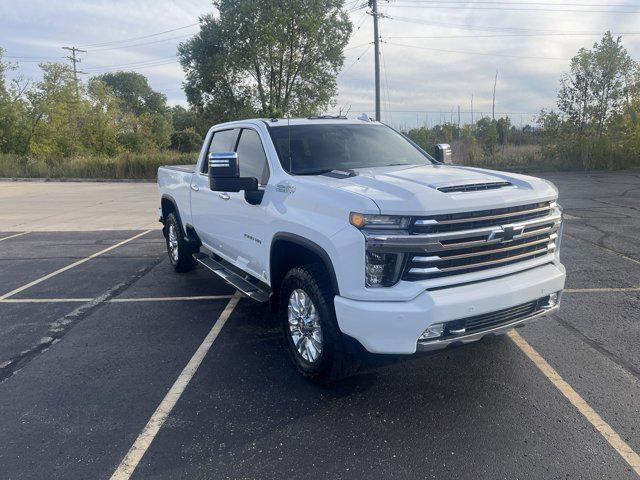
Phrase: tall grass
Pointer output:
(123, 166)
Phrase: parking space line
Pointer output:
(609, 434)
(150, 430)
(68, 267)
(595, 290)
(13, 236)
(117, 300)
(610, 250)
(169, 299)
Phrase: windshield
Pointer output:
(322, 148)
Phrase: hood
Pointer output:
(416, 190)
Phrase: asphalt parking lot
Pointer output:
(113, 365)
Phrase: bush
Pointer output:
(123, 166)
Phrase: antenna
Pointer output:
(289, 130)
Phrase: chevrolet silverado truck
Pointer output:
(360, 240)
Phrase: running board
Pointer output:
(245, 286)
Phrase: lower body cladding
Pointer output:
(436, 319)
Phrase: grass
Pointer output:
(143, 166)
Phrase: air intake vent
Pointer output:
(474, 187)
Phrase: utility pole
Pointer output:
(458, 117)
(376, 51)
(74, 61)
(472, 110)
(493, 108)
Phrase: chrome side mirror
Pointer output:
(442, 153)
(224, 173)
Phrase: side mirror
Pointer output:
(224, 174)
(442, 153)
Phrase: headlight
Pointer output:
(382, 269)
(361, 220)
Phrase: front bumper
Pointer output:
(395, 327)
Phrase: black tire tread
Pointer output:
(185, 262)
(317, 282)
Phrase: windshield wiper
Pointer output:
(313, 172)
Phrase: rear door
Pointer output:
(207, 207)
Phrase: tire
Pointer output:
(179, 251)
(331, 361)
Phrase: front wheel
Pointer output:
(310, 329)
(179, 251)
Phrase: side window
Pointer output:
(253, 161)
(223, 141)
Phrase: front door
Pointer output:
(241, 224)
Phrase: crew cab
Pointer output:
(360, 240)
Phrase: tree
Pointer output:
(600, 81)
(135, 93)
(271, 57)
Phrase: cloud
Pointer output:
(423, 79)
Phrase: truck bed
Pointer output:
(180, 168)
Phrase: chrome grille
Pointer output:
(445, 245)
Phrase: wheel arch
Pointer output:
(289, 250)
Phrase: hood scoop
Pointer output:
(474, 187)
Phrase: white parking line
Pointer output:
(595, 290)
(117, 300)
(609, 434)
(13, 236)
(169, 299)
(149, 432)
(610, 250)
(68, 267)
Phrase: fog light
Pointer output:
(552, 301)
(434, 331)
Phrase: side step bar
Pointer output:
(245, 286)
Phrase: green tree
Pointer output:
(135, 93)
(487, 135)
(599, 83)
(270, 57)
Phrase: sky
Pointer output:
(435, 56)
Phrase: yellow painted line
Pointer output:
(13, 236)
(151, 429)
(595, 290)
(68, 267)
(609, 434)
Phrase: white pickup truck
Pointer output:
(361, 240)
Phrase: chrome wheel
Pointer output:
(304, 326)
(173, 242)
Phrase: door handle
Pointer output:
(195, 188)
(224, 195)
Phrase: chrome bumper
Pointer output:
(433, 345)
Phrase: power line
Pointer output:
(464, 52)
(139, 38)
(357, 59)
(141, 62)
(479, 27)
(502, 35)
(525, 9)
(120, 47)
(502, 2)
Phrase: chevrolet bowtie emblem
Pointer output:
(506, 233)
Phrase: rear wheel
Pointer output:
(179, 251)
(310, 329)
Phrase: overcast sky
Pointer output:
(424, 80)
